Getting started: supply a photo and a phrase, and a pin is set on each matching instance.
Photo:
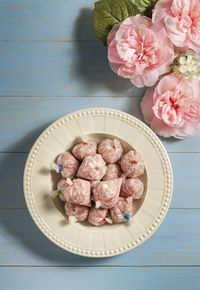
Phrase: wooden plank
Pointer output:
(179, 278)
(23, 119)
(186, 181)
(11, 180)
(59, 69)
(46, 20)
(176, 242)
(186, 171)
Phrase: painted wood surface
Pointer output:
(143, 278)
(176, 242)
(23, 119)
(46, 20)
(51, 63)
(59, 69)
(186, 194)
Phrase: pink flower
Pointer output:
(139, 50)
(181, 19)
(172, 108)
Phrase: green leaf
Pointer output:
(107, 13)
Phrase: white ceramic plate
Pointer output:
(83, 238)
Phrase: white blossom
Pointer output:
(188, 64)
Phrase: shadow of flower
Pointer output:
(91, 65)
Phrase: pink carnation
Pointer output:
(172, 108)
(139, 50)
(181, 19)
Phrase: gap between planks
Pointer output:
(51, 41)
(64, 97)
(102, 266)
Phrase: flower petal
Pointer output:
(113, 55)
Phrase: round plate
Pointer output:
(82, 238)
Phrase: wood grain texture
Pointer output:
(11, 180)
(51, 64)
(97, 278)
(59, 69)
(186, 194)
(46, 20)
(176, 242)
(23, 119)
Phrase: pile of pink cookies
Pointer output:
(98, 182)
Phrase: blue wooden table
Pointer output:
(51, 63)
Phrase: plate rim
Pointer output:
(153, 138)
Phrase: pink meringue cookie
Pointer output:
(106, 193)
(67, 165)
(113, 171)
(110, 150)
(93, 167)
(76, 212)
(97, 216)
(78, 192)
(132, 187)
(81, 150)
(93, 182)
(61, 186)
(122, 210)
(132, 164)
